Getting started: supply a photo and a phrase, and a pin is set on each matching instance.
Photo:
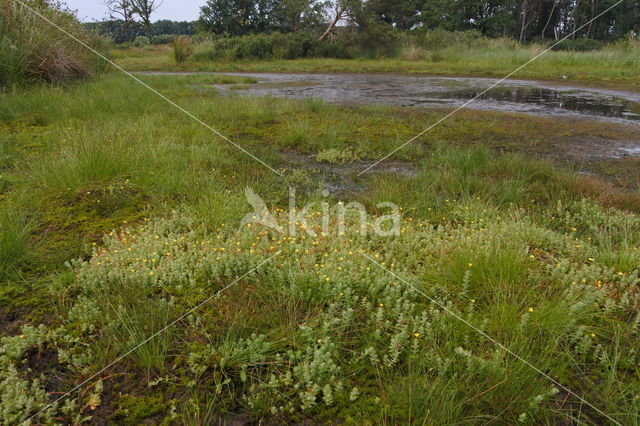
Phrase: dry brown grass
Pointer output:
(182, 49)
(34, 50)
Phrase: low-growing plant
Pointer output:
(318, 332)
(336, 155)
(275, 344)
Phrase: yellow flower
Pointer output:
(469, 265)
(416, 335)
(530, 309)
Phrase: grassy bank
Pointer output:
(613, 67)
(32, 50)
(120, 214)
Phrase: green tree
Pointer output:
(239, 17)
(297, 15)
(144, 9)
(402, 15)
(235, 17)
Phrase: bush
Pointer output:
(163, 39)
(34, 50)
(263, 46)
(182, 49)
(412, 52)
(579, 45)
(630, 42)
(200, 38)
(141, 41)
(440, 39)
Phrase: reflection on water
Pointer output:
(509, 96)
(556, 99)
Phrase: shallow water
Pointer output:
(532, 97)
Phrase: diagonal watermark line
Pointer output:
(485, 91)
(119, 68)
(491, 339)
(157, 333)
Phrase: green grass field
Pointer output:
(120, 214)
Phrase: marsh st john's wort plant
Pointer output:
(319, 216)
(319, 331)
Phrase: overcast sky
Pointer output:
(176, 10)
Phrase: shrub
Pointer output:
(579, 45)
(630, 42)
(439, 39)
(34, 50)
(141, 41)
(182, 49)
(200, 38)
(412, 52)
(163, 39)
(263, 46)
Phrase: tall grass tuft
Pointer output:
(33, 50)
(14, 243)
(182, 49)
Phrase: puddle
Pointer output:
(630, 151)
(538, 98)
(341, 179)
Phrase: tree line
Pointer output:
(122, 31)
(523, 20)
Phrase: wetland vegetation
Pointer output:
(122, 239)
